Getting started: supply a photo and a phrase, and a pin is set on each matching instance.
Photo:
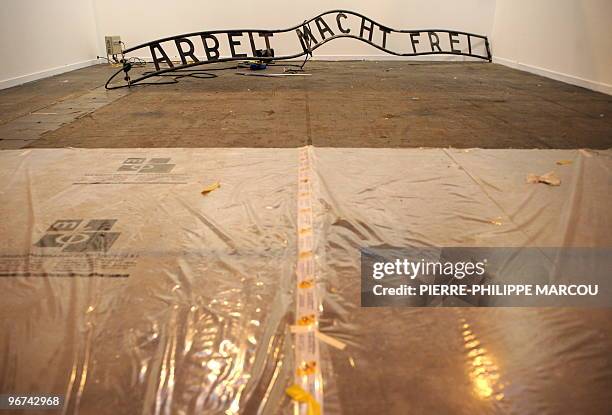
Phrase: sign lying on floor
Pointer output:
(199, 48)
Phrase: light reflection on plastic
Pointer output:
(214, 366)
(227, 348)
(483, 372)
(143, 372)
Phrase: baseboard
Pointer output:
(558, 76)
(570, 79)
(315, 57)
(19, 80)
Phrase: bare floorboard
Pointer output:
(343, 104)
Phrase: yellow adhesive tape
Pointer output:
(306, 320)
(321, 336)
(307, 368)
(210, 188)
(306, 284)
(306, 254)
(298, 394)
(331, 341)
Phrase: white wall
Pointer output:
(39, 38)
(139, 21)
(568, 40)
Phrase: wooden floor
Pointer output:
(343, 104)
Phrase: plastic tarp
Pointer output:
(127, 290)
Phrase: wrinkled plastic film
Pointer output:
(308, 363)
(465, 361)
(129, 291)
(146, 296)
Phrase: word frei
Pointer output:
(330, 25)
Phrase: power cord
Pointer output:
(126, 66)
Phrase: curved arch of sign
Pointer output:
(308, 36)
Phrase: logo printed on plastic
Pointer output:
(78, 235)
(141, 165)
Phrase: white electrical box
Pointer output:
(113, 45)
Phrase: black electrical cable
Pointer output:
(298, 67)
(186, 73)
(176, 75)
(136, 61)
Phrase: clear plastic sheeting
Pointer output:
(129, 291)
(456, 360)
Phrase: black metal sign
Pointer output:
(199, 48)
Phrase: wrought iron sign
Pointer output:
(199, 48)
